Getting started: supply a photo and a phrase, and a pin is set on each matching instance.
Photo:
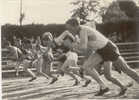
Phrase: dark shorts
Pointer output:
(62, 58)
(109, 53)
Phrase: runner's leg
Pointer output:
(75, 70)
(26, 64)
(64, 68)
(89, 67)
(107, 73)
(126, 69)
(17, 67)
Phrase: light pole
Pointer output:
(21, 14)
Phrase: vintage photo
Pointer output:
(69, 49)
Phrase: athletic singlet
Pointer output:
(72, 56)
(94, 39)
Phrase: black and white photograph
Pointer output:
(69, 49)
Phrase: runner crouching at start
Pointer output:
(105, 51)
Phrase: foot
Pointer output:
(123, 91)
(130, 84)
(102, 91)
(117, 69)
(53, 80)
(100, 71)
(61, 73)
(32, 79)
(86, 83)
(76, 83)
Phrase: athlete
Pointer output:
(105, 51)
(48, 56)
(15, 54)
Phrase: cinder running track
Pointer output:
(21, 89)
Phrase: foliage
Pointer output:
(83, 8)
(120, 16)
(129, 7)
(114, 14)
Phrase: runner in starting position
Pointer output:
(105, 51)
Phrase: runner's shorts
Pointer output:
(110, 52)
(62, 58)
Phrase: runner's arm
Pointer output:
(83, 42)
(60, 39)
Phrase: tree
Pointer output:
(84, 8)
(114, 14)
(129, 7)
(120, 16)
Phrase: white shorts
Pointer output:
(38, 63)
(26, 63)
(69, 63)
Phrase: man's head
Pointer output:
(73, 26)
(47, 39)
(27, 43)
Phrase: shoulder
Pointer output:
(66, 32)
(86, 29)
(13, 48)
(91, 24)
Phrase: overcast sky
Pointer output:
(37, 11)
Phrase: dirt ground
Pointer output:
(40, 89)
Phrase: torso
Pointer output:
(72, 56)
(95, 39)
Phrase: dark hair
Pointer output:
(47, 36)
(73, 22)
(83, 22)
(68, 37)
(26, 41)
